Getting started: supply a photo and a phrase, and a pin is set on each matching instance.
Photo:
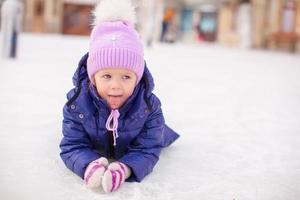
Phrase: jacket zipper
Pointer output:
(111, 149)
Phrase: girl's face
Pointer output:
(115, 85)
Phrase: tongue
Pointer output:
(114, 101)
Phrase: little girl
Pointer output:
(113, 126)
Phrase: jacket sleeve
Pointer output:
(76, 148)
(144, 151)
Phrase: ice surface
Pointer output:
(237, 111)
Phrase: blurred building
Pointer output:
(43, 15)
(59, 16)
(275, 24)
(268, 24)
(271, 24)
(284, 32)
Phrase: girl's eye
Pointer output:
(106, 76)
(126, 77)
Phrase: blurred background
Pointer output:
(260, 24)
(227, 74)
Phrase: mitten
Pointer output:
(94, 172)
(115, 176)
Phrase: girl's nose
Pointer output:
(115, 85)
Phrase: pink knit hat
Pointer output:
(114, 43)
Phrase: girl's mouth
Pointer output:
(115, 101)
(115, 95)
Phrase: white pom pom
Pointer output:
(114, 10)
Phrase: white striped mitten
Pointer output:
(94, 172)
(115, 176)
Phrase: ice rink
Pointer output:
(237, 111)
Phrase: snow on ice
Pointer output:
(237, 111)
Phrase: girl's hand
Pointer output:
(115, 176)
(94, 172)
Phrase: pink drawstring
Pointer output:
(113, 117)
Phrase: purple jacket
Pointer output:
(142, 130)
